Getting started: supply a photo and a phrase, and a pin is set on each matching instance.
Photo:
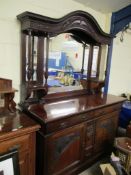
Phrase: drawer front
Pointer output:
(72, 120)
(22, 143)
(65, 123)
(106, 110)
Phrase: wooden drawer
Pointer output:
(22, 143)
(65, 123)
(70, 121)
(106, 110)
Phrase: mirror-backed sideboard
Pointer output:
(77, 125)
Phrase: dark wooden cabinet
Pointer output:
(72, 138)
(77, 125)
(19, 131)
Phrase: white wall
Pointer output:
(120, 76)
(10, 29)
(60, 43)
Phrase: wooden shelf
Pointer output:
(7, 94)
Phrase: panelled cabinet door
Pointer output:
(64, 150)
(24, 149)
(105, 132)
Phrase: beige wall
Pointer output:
(120, 77)
(10, 29)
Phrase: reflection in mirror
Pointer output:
(65, 62)
(102, 62)
(95, 61)
(68, 61)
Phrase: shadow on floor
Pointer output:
(95, 168)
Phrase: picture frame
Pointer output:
(9, 163)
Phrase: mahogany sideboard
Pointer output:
(17, 130)
(76, 127)
(74, 132)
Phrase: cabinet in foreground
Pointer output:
(18, 131)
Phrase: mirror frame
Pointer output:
(80, 24)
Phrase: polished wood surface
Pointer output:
(54, 110)
(16, 122)
(18, 131)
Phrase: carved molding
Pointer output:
(75, 21)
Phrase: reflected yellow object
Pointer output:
(67, 80)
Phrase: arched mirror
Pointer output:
(68, 63)
(62, 56)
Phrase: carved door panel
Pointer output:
(64, 150)
(105, 132)
(89, 138)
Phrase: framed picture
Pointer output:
(9, 163)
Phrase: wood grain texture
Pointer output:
(51, 111)
(18, 131)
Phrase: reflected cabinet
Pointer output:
(63, 73)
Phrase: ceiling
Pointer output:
(105, 6)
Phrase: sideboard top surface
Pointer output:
(14, 124)
(56, 110)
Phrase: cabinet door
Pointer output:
(105, 132)
(64, 150)
(26, 148)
